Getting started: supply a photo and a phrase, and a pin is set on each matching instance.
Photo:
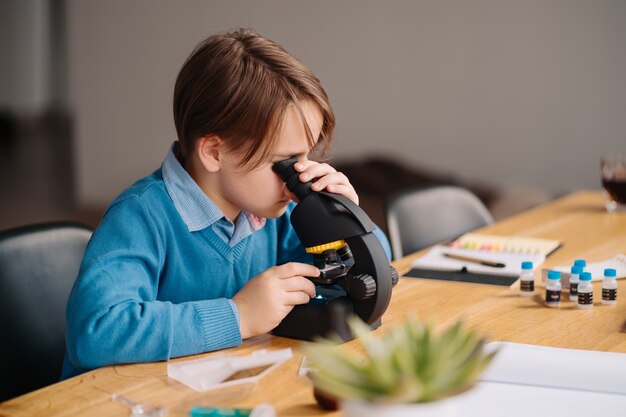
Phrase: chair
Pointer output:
(420, 218)
(38, 267)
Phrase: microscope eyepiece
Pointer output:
(289, 175)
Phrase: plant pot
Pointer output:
(442, 408)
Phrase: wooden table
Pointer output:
(578, 220)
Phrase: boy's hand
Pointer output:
(267, 298)
(326, 177)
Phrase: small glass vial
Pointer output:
(574, 278)
(585, 291)
(553, 289)
(527, 280)
(581, 262)
(609, 287)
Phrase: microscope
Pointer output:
(355, 275)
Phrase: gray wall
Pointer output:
(25, 67)
(502, 91)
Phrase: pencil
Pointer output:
(475, 260)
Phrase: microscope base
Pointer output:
(316, 320)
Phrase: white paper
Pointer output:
(585, 370)
(618, 262)
(488, 399)
(528, 380)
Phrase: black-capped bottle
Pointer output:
(553, 289)
(585, 291)
(527, 280)
(609, 287)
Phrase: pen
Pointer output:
(475, 260)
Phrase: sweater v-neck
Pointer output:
(230, 253)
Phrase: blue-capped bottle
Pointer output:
(585, 291)
(527, 280)
(574, 279)
(609, 287)
(553, 289)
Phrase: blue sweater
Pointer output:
(149, 289)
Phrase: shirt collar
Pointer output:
(196, 209)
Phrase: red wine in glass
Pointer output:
(616, 189)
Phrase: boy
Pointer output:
(200, 254)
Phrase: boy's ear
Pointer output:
(208, 150)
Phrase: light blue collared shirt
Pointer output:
(197, 209)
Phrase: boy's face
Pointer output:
(261, 191)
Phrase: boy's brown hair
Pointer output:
(238, 86)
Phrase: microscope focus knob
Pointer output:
(361, 287)
(395, 277)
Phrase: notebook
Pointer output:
(437, 264)
(511, 244)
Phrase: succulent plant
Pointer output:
(411, 363)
